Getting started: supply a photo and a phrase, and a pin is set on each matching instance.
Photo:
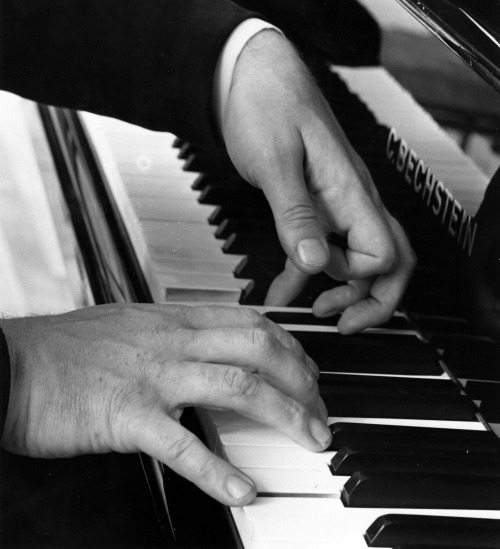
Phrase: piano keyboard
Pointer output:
(176, 246)
(388, 382)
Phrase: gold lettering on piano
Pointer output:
(433, 192)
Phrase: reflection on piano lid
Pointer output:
(470, 29)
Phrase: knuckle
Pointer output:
(262, 339)
(238, 383)
(309, 384)
(205, 471)
(295, 346)
(296, 413)
(388, 259)
(296, 213)
(252, 317)
(386, 315)
(180, 450)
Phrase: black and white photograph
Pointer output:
(249, 274)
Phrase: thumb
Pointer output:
(169, 442)
(298, 228)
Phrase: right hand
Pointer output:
(283, 138)
(117, 378)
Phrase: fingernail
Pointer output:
(325, 313)
(238, 488)
(320, 432)
(312, 251)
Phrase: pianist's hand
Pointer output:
(282, 137)
(117, 378)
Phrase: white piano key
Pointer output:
(224, 265)
(278, 465)
(233, 420)
(171, 209)
(279, 522)
(179, 190)
(309, 482)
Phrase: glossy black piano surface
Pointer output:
(105, 501)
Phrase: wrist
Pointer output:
(228, 58)
(270, 71)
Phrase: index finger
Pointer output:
(386, 291)
(204, 317)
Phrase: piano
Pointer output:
(413, 404)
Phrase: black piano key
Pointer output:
(230, 197)
(203, 162)
(471, 358)
(178, 142)
(256, 296)
(187, 149)
(458, 408)
(255, 226)
(416, 438)
(388, 385)
(420, 491)
(251, 268)
(394, 459)
(240, 211)
(419, 546)
(433, 531)
(251, 244)
(381, 396)
(304, 318)
(308, 319)
(370, 353)
(434, 326)
(488, 395)
(204, 180)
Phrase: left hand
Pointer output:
(283, 138)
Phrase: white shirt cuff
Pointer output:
(227, 61)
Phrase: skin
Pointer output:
(283, 138)
(117, 378)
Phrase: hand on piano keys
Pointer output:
(283, 138)
(117, 378)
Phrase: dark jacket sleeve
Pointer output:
(4, 381)
(341, 31)
(149, 62)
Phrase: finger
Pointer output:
(338, 299)
(244, 317)
(247, 393)
(386, 291)
(368, 254)
(298, 228)
(167, 441)
(322, 411)
(286, 286)
(258, 351)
